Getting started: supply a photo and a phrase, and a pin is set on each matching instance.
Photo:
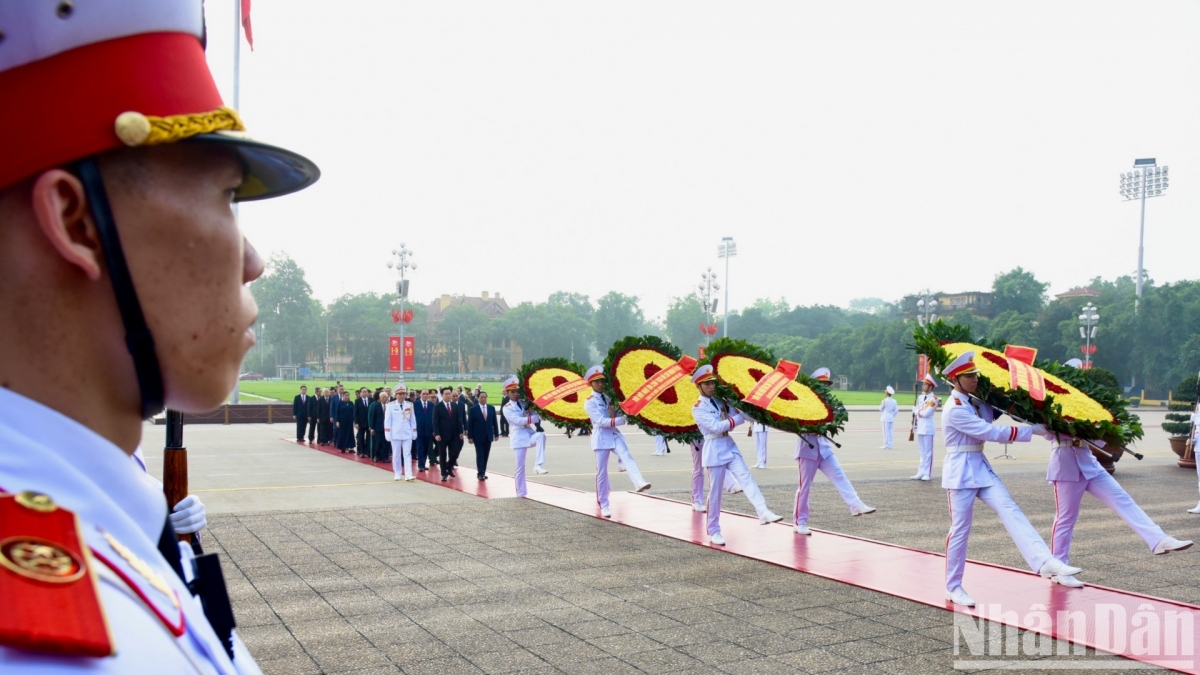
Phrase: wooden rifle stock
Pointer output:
(175, 470)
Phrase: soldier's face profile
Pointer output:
(708, 388)
(173, 206)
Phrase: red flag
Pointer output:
(246, 23)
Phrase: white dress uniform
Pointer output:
(607, 438)
(888, 407)
(521, 424)
(967, 475)
(926, 407)
(720, 455)
(539, 459)
(815, 453)
(400, 428)
(1073, 470)
(155, 623)
(760, 444)
(660, 446)
(1195, 447)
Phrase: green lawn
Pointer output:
(285, 390)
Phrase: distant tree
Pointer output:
(464, 330)
(617, 315)
(868, 305)
(786, 346)
(1104, 378)
(684, 316)
(1019, 291)
(1013, 328)
(287, 310)
(364, 322)
(771, 308)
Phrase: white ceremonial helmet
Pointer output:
(512, 383)
(703, 374)
(889, 390)
(822, 374)
(1074, 363)
(595, 373)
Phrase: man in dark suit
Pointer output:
(375, 421)
(448, 432)
(423, 448)
(313, 409)
(361, 405)
(300, 413)
(324, 424)
(482, 429)
(334, 404)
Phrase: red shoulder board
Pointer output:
(696, 404)
(957, 401)
(47, 587)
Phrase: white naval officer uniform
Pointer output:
(888, 407)
(47, 452)
(731, 484)
(521, 424)
(720, 455)
(815, 452)
(607, 438)
(400, 428)
(760, 444)
(967, 475)
(926, 406)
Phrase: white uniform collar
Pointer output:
(46, 451)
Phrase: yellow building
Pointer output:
(502, 355)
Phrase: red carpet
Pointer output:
(1139, 627)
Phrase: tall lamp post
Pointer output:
(926, 309)
(727, 249)
(402, 262)
(1135, 185)
(1088, 322)
(708, 284)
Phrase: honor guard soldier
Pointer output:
(927, 405)
(1194, 440)
(123, 265)
(888, 408)
(758, 431)
(967, 424)
(521, 423)
(720, 454)
(606, 438)
(1074, 470)
(815, 452)
(400, 429)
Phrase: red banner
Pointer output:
(561, 391)
(393, 353)
(410, 353)
(768, 388)
(922, 367)
(1022, 374)
(657, 385)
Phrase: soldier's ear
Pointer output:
(60, 208)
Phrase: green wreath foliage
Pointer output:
(838, 415)
(1126, 429)
(551, 362)
(629, 343)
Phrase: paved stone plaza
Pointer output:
(334, 567)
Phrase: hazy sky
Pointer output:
(851, 149)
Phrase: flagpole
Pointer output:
(237, 58)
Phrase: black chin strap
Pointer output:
(138, 340)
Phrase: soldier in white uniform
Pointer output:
(400, 428)
(1073, 470)
(125, 273)
(967, 424)
(660, 446)
(521, 425)
(720, 454)
(815, 453)
(888, 409)
(758, 431)
(1196, 444)
(926, 406)
(607, 438)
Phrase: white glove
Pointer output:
(620, 421)
(534, 419)
(1041, 430)
(188, 516)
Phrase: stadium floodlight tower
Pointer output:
(726, 250)
(1147, 180)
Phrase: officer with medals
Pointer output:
(923, 413)
(720, 454)
(813, 453)
(968, 423)
(607, 438)
(125, 273)
(1074, 470)
(521, 424)
(400, 429)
